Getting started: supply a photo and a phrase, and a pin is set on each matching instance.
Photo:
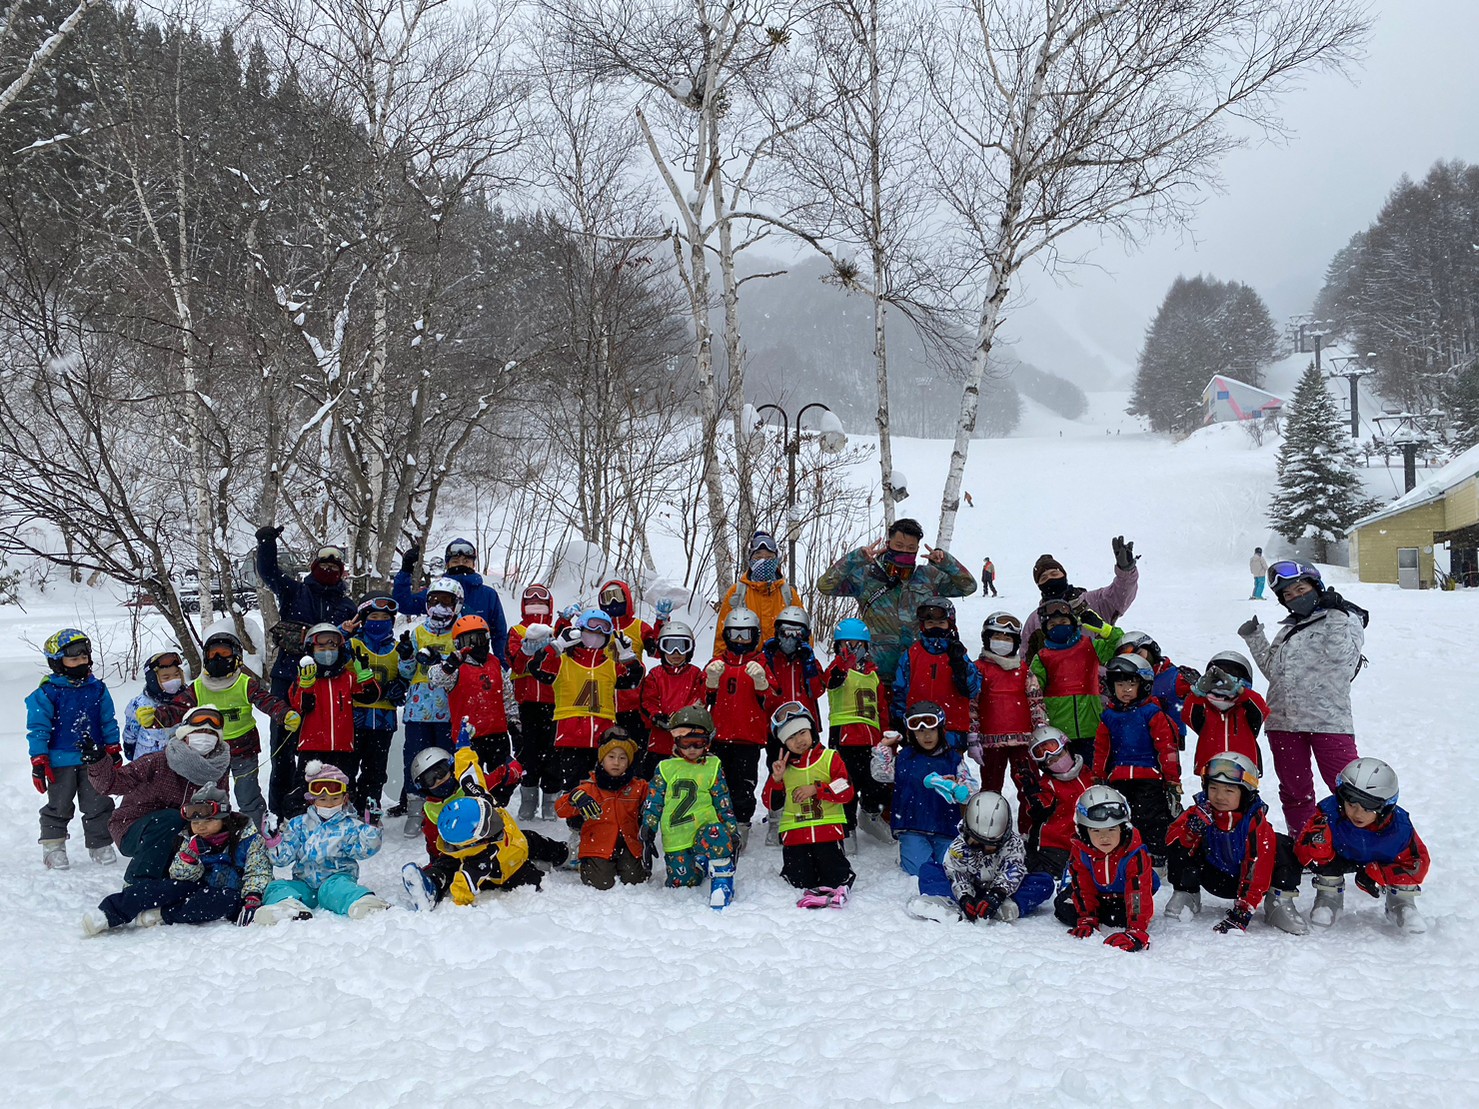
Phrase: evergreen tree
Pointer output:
(1319, 494)
(1461, 399)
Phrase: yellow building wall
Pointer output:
(1376, 543)
(1463, 504)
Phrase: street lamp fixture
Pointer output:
(831, 438)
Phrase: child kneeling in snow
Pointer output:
(609, 806)
(1110, 879)
(987, 868)
(324, 847)
(931, 781)
(1362, 830)
(219, 873)
(806, 791)
(1224, 844)
(479, 847)
(690, 802)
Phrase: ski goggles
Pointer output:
(207, 715)
(434, 775)
(327, 787)
(330, 554)
(1045, 750)
(78, 648)
(378, 604)
(201, 810)
(597, 622)
(165, 662)
(675, 645)
(1106, 811)
(744, 636)
(917, 720)
(1350, 795)
(461, 549)
(613, 593)
(327, 639)
(791, 710)
(219, 650)
(1228, 772)
(1003, 623)
(690, 740)
(1285, 571)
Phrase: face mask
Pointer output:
(172, 685)
(1061, 765)
(935, 644)
(326, 573)
(765, 569)
(788, 643)
(1304, 604)
(378, 631)
(593, 640)
(202, 744)
(1061, 634)
(1003, 647)
(458, 571)
(323, 813)
(440, 612)
(902, 559)
(1053, 589)
(614, 609)
(1221, 704)
(219, 667)
(326, 658)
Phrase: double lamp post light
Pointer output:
(832, 440)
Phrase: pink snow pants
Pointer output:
(1292, 754)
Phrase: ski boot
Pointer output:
(420, 888)
(940, 909)
(850, 842)
(742, 839)
(547, 807)
(54, 854)
(721, 883)
(836, 897)
(104, 855)
(1329, 900)
(1182, 900)
(528, 803)
(367, 905)
(1008, 911)
(876, 826)
(773, 828)
(412, 827)
(1402, 910)
(1280, 911)
(813, 899)
(95, 922)
(289, 908)
(373, 814)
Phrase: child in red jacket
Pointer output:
(1137, 751)
(737, 682)
(330, 681)
(1048, 794)
(1110, 879)
(673, 684)
(857, 717)
(1225, 712)
(795, 673)
(1009, 705)
(478, 698)
(536, 701)
(1224, 844)
(609, 806)
(808, 784)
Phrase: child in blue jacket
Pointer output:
(931, 782)
(164, 676)
(69, 705)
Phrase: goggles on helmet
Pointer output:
(1108, 810)
(791, 710)
(208, 715)
(1227, 771)
(613, 593)
(379, 604)
(330, 554)
(434, 775)
(166, 662)
(739, 635)
(219, 650)
(1284, 571)
(327, 639)
(461, 549)
(78, 648)
(200, 810)
(327, 787)
(1045, 750)
(1350, 795)
(916, 720)
(597, 622)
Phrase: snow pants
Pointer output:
(691, 867)
(602, 874)
(536, 751)
(872, 796)
(1191, 872)
(809, 866)
(922, 855)
(1150, 812)
(1292, 754)
(1258, 583)
(283, 744)
(71, 788)
(373, 746)
(741, 765)
(337, 893)
(150, 844)
(994, 765)
(248, 788)
(178, 902)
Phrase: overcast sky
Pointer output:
(1287, 209)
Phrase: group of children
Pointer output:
(1092, 729)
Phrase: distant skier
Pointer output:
(988, 577)
(1258, 567)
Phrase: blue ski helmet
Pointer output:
(852, 630)
(465, 820)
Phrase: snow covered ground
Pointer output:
(645, 996)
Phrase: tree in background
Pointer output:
(1461, 401)
(1204, 327)
(1319, 494)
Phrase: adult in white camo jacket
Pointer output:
(1309, 666)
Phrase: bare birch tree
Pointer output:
(1067, 114)
(14, 24)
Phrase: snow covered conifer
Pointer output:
(1319, 493)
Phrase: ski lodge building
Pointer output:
(1226, 399)
(1396, 543)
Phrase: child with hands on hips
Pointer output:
(806, 791)
(1110, 879)
(324, 846)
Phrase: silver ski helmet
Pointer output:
(741, 630)
(676, 636)
(1369, 783)
(1100, 807)
(792, 628)
(1232, 663)
(986, 819)
(1004, 625)
(1140, 641)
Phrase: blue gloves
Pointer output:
(664, 609)
(948, 788)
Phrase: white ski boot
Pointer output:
(547, 808)
(149, 918)
(1402, 910)
(572, 858)
(528, 803)
(1008, 911)
(95, 922)
(1329, 900)
(1181, 901)
(873, 824)
(54, 854)
(1280, 911)
(721, 883)
(104, 855)
(939, 909)
(413, 816)
(773, 828)
(289, 908)
(367, 905)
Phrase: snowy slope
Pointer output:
(639, 997)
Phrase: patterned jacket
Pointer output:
(976, 873)
(317, 848)
(1309, 667)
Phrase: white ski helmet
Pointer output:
(1233, 663)
(987, 817)
(794, 615)
(681, 635)
(446, 585)
(425, 760)
(1231, 768)
(742, 620)
(1370, 783)
(1101, 807)
(1047, 742)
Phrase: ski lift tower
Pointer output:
(1411, 434)
(1353, 371)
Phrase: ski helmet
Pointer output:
(377, 602)
(1234, 664)
(1125, 667)
(1140, 641)
(470, 634)
(450, 586)
(1100, 807)
(467, 820)
(936, 608)
(1000, 624)
(1233, 769)
(169, 657)
(536, 601)
(222, 652)
(987, 818)
(676, 636)
(597, 621)
(852, 630)
(795, 618)
(741, 629)
(1056, 608)
(428, 759)
(460, 548)
(1047, 743)
(697, 719)
(67, 643)
(1286, 572)
(1369, 783)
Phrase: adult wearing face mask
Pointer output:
(890, 582)
(322, 596)
(1310, 664)
(478, 597)
(146, 825)
(761, 589)
(1109, 602)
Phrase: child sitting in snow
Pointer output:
(1224, 711)
(931, 781)
(219, 873)
(608, 805)
(164, 678)
(1362, 830)
(806, 791)
(479, 848)
(324, 847)
(987, 868)
(689, 801)
(1110, 879)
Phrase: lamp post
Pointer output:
(833, 439)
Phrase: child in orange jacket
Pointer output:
(609, 806)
